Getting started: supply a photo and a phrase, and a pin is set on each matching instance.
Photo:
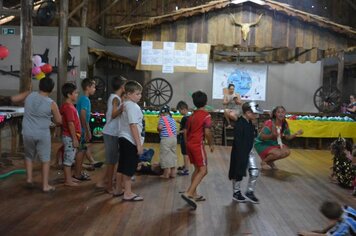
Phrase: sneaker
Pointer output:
(183, 172)
(237, 196)
(250, 196)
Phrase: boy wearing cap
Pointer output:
(242, 157)
(167, 129)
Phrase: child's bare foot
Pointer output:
(48, 189)
(172, 176)
(265, 166)
(71, 184)
(164, 176)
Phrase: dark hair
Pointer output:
(46, 85)
(246, 107)
(182, 105)
(117, 82)
(231, 85)
(199, 99)
(331, 210)
(132, 86)
(68, 88)
(274, 116)
(87, 83)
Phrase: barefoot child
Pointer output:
(182, 107)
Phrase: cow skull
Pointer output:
(245, 27)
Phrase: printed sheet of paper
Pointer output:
(179, 58)
(202, 61)
(168, 69)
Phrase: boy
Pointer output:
(39, 109)
(131, 137)
(84, 110)
(241, 155)
(111, 131)
(71, 132)
(182, 107)
(342, 220)
(198, 127)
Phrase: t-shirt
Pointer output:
(112, 125)
(37, 116)
(132, 114)
(172, 124)
(70, 114)
(196, 124)
(347, 226)
(84, 104)
(183, 123)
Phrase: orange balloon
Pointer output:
(46, 68)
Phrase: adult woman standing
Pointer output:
(269, 144)
(351, 108)
(232, 102)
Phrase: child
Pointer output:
(111, 131)
(342, 220)
(198, 128)
(182, 107)
(71, 132)
(39, 109)
(168, 133)
(241, 157)
(131, 137)
(84, 110)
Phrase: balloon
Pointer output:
(46, 68)
(4, 52)
(36, 70)
(37, 60)
(40, 76)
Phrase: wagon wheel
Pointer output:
(100, 88)
(158, 92)
(327, 99)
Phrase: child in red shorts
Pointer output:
(197, 129)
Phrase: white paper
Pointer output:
(168, 46)
(157, 57)
(146, 45)
(202, 61)
(191, 47)
(168, 57)
(168, 69)
(190, 59)
(146, 56)
(179, 58)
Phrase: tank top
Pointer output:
(37, 116)
(112, 125)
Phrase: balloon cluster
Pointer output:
(39, 70)
(4, 52)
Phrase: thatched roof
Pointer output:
(112, 56)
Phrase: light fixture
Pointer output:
(259, 2)
(6, 19)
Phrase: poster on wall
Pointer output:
(249, 80)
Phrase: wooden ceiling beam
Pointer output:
(103, 12)
(77, 8)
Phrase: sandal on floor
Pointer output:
(116, 194)
(190, 201)
(135, 198)
(82, 177)
(199, 198)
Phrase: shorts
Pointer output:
(183, 148)
(69, 151)
(128, 158)
(168, 152)
(197, 154)
(37, 145)
(111, 144)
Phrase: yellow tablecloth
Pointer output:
(323, 129)
(151, 122)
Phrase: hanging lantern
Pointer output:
(4, 52)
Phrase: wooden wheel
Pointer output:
(327, 99)
(158, 92)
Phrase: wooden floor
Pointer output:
(289, 201)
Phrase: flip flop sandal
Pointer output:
(116, 194)
(135, 198)
(82, 178)
(199, 198)
(190, 201)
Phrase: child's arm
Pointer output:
(292, 136)
(20, 97)
(73, 134)
(209, 138)
(137, 138)
(56, 114)
(116, 111)
(237, 99)
(85, 125)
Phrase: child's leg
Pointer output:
(186, 162)
(119, 184)
(198, 177)
(109, 176)
(227, 117)
(30, 152)
(253, 172)
(68, 180)
(45, 173)
(78, 163)
(28, 164)
(166, 173)
(172, 172)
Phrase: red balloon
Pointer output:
(46, 68)
(4, 52)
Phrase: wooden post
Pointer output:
(62, 48)
(83, 22)
(26, 44)
(340, 70)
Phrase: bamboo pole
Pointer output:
(83, 22)
(340, 70)
(26, 44)
(62, 48)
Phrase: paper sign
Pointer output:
(202, 61)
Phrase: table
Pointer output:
(151, 122)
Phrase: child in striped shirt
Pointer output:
(167, 129)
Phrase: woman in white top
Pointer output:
(232, 102)
(111, 132)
